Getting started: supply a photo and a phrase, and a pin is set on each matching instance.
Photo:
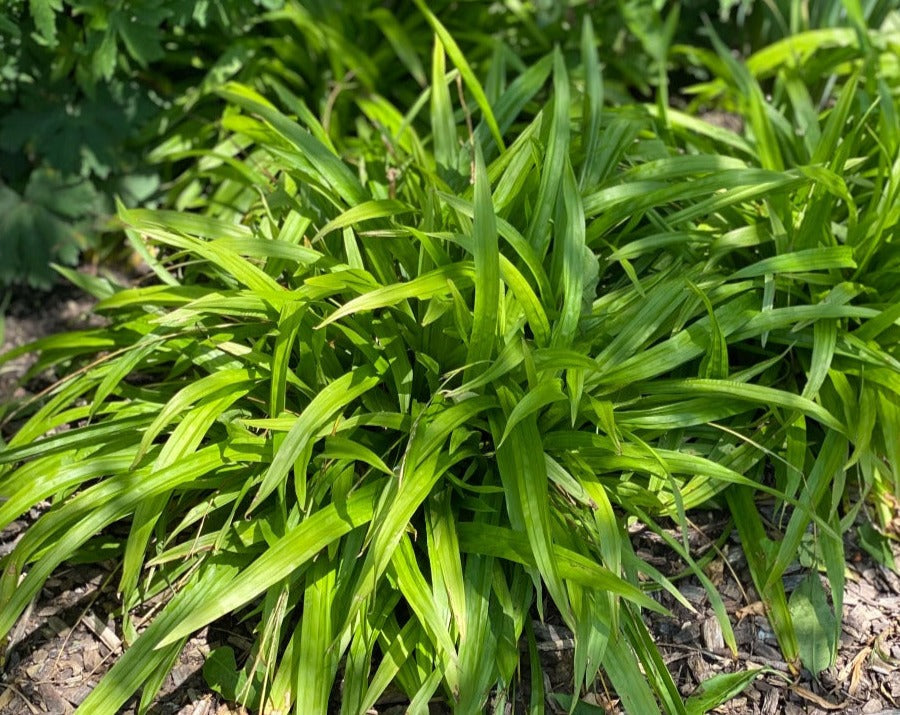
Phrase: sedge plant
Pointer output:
(396, 393)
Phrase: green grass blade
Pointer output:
(813, 259)
(443, 126)
(750, 393)
(459, 59)
(138, 662)
(538, 397)
(317, 660)
(290, 553)
(557, 140)
(366, 211)
(423, 287)
(829, 462)
(332, 169)
(523, 470)
(572, 258)
(754, 541)
(297, 442)
(592, 105)
(487, 270)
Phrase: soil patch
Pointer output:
(31, 315)
(866, 676)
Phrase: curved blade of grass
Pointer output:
(658, 675)
(719, 689)
(538, 397)
(121, 368)
(342, 448)
(218, 255)
(366, 211)
(292, 315)
(215, 385)
(459, 60)
(824, 344)
(423, 287)
(487, 270)
(529, 302)
(749, 393)
(796, 48)
(53, 476)
(267, 248)
(332, 169)
(512, 237)
(71, 439)
(180, 222)
(183, 441)
(337, 395)
(291, 552)
(812, 259)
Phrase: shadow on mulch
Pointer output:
(67, 641)
(31, 315)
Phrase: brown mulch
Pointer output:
(68, 639)
(865, 679)
(33, 314)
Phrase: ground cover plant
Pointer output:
(400, 387)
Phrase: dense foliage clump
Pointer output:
(107, 100)
(414, 358)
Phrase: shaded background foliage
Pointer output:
(84, 89)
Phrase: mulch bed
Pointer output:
(34, 314)
(67, 639)
(864, 680)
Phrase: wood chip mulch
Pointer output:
(865, 679)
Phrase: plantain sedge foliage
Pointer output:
(391, 397)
